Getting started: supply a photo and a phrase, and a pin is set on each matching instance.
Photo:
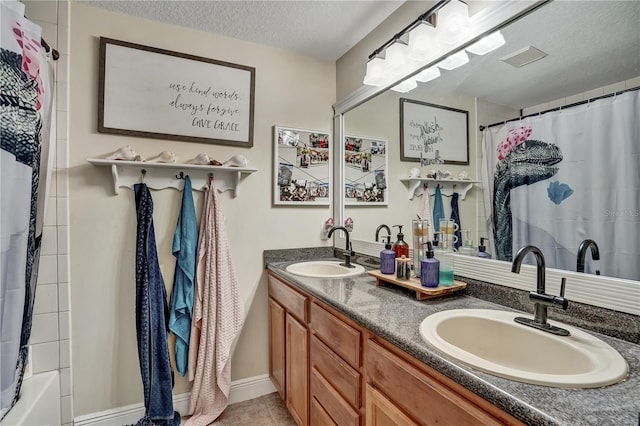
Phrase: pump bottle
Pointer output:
(429, 269)
(400, 247)
(482, 250)
(388, 258)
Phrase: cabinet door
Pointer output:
(277, 346)
(381, 412)
(297, 371)
(423, 397)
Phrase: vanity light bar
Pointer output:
(446, 24)
(381, 61)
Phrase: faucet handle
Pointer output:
(563, 284)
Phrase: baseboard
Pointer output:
(241, 390)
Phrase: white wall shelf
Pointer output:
(447, 186)
(167, 175)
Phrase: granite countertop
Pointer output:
(395, 315)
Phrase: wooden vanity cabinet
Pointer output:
(289, 347)
(405, 391)
(333, 372)
(335, 363)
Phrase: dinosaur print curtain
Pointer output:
(26, 96)
(558, 178)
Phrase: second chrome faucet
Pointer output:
(539, 297)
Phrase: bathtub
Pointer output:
(39, 403)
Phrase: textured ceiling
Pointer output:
(323, 29)
(590, 44)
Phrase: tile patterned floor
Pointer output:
(267, 410)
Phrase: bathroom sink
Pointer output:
(491, 341)
(324, 269)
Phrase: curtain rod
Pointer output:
(482, 128)
(54, 53)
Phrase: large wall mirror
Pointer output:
(592, 49)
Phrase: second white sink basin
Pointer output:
(491, 341)
(324, 269)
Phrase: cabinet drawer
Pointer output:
(344, 379)
(340, 337)
(294, 302)
(419, 395)
(319, 417)
(341, 413)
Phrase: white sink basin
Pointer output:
(324, 269)
(491, 341)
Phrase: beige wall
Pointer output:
(291, 90)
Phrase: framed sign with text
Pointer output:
(156, 93)
(433, 134)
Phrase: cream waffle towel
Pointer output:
(217, 316)
(425, 212)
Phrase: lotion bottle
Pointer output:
(429, 269)
(388, 258)
(400, 247)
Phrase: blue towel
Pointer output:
(438, 209)
(455, 216)
(151, 320)
(185, 244)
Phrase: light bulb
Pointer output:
(428, 74)
(453, 22)
(487, 44)
(396, 57)
(454, 61)
(405, 86)
(375, 75)
(422, 40)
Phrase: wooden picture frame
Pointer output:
(302, 167)
(433, 134)
(366, 168)
(155, 93)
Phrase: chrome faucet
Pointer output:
(378, 232)
(582, 252)
(539, 297)
(349, 250)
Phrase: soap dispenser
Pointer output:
(482, 250)
(387, 258)
(400, 247)
(429, 269)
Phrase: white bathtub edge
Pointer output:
(39, 402)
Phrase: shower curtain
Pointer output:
(558, 178)
(26, 99)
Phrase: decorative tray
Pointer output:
(422, 293)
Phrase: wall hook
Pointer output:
(180, 176)
(143, 173)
